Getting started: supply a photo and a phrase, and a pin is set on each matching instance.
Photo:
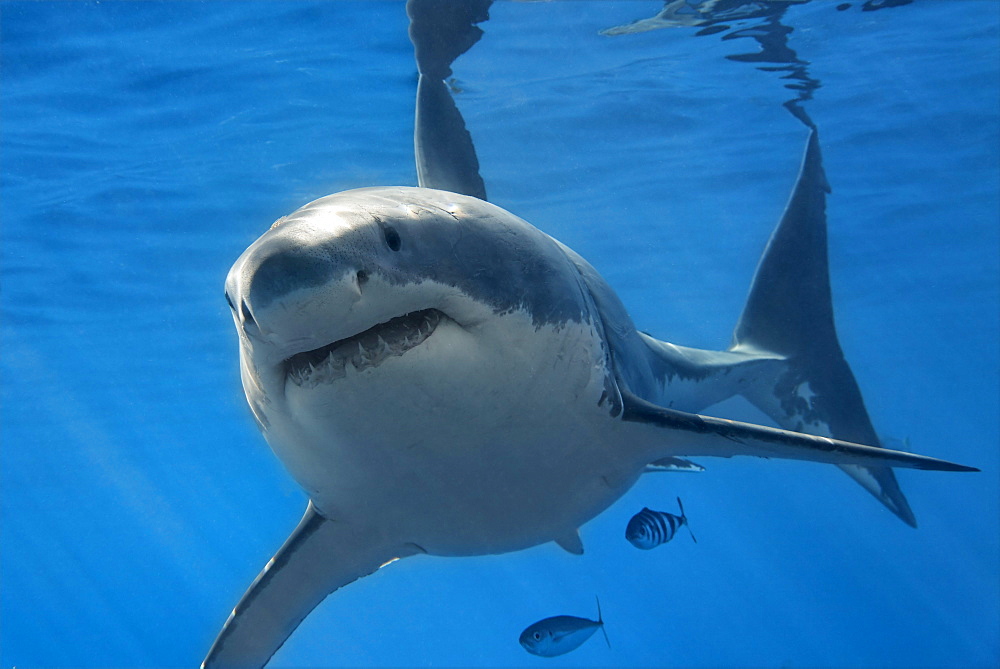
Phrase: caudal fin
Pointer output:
(600, 621)
(684, 519)
(789, 312)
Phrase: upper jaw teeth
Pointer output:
(366, 349)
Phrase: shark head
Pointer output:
(394, 337)
(341, 285)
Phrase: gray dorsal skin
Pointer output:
(441, 377)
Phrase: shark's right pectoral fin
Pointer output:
(694, 434)
(320, 556)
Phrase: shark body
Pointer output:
(442, 377)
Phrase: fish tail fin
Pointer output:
(600, 622)
(789, 313)
(684, 519)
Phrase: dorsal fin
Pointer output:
(441, 31)
(445, 155)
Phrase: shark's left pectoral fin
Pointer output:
(672, 464)
(695, 434)
(320, 556)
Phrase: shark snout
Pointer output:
(275, 277)
(288, 278)
(296, 315)
(246, 320)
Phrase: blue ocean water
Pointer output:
(143, 146)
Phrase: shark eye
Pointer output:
(392, 238)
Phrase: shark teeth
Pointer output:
(363, 350)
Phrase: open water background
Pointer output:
(143, 146)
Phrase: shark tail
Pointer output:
(789, 314)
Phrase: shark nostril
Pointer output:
(362, 277)
(247, 316)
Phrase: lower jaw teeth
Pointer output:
(369, 349)
(332, 368)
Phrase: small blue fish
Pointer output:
(560, 634)
(648, 529)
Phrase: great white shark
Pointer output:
(442, 377)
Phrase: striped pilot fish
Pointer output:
(559, 635)
(648, 529)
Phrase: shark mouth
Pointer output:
(363, 350)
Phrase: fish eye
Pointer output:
(392, 238)
(537, 636)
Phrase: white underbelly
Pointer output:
(476, 441)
